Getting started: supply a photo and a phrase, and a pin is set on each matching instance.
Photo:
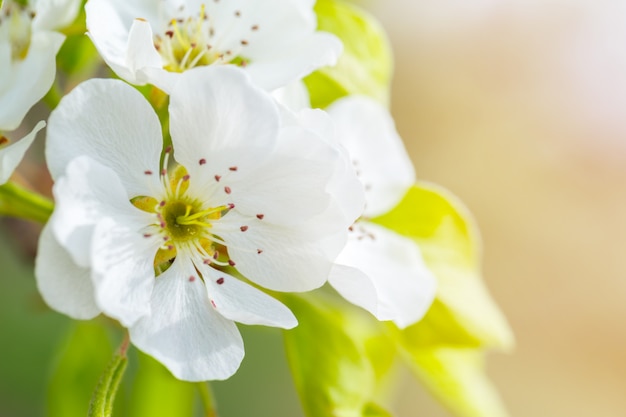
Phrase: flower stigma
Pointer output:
(193, 41)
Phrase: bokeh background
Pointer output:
(519, 108)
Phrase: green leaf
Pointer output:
(464, 313)
(103, 397)
(157, 393)
(365, 66)
(78, 56)
(457, 377)
(83, 355)
(374, 410)
(329, 361)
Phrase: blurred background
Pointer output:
(519, 108)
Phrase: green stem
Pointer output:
(17, 201)
(103, 397)
(206, 394)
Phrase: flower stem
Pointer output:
(17, 201)
(208, 402)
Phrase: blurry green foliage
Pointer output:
(82, 359)
(30, 332)
(366, 65)
(329, 361)
(456, 376)
(156, 393)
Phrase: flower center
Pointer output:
(182, 222)
(192, 41)
(15, 25)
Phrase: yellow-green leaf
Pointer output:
(457, 377)
(82, 358)
(365, 66)
(157, 393)
(328, 359)
(464, 313)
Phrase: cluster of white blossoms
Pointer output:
(28, 47)
(275, 41)
(178, 243)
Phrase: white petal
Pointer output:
(218, 116)
(291, 186)
(29, 79)
(64, 286)
(11, 155)
(55, 14)
(286, 46)
(109, 27)
(294, 96)
(87, 193)
(141, 52)
(243, 303)
(112, 123)
(367, 130)
(184, 332)
(293, 62)
(393, 265)
(348, 197)
(122, 270)
(291, 259)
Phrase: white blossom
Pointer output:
(379, 269)
(12, 153)
(159, 246)
(153, 41)
(28, 47)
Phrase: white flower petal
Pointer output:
(84, 195)
(347, 192)
(286, 46)
(367, 130)
(113, 124)
(64, 286)
(219, 117)
(290, 188)
(29, 79)
(122, 270)
(405, 288)
(278, 36)
(184, 332)
(55, 14)
(11, 155)
(243, 303)
(109, 27)
(293, 62)
(141, 52)
(355, 286)
(275, 257)
(294, 96)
